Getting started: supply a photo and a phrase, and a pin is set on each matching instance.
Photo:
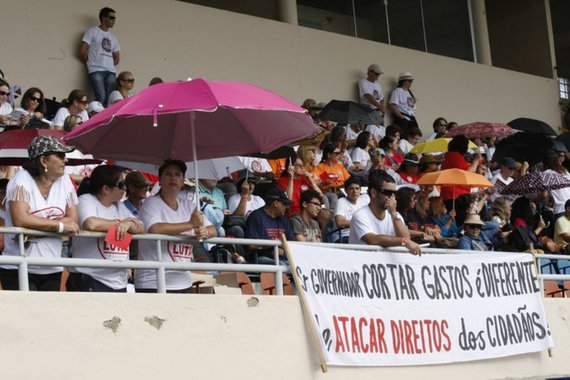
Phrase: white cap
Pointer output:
(95, 106)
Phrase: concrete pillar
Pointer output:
(287, 10)
(481, 32)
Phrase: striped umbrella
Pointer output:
(536, 182)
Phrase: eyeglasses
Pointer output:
(59, 155)
(335, 152)
(119, 185)
(34, 99)
(129, 80)
(388, 193)
(4, 93)
(318, 204)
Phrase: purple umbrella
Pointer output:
(536, 183)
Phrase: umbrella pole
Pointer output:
(195, 158)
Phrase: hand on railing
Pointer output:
(70, 227)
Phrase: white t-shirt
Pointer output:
(97, 248)
(364, 222)
(346, 209)
(404, 101)
(102, 45)
(116, 96)
(154, 211)
(351, 134)
(378, 131)
(361, 156)
(559, 196)
(5, 109)
(404, 146)
(61, 195)
(253, 204)
(371, 88)
(63, 113)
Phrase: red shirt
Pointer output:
(299, 185)
(394, 161)
(454, 160)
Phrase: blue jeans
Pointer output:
(103, 83)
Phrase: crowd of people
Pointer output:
(350, 183)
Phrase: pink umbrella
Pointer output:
(480, 129)
(227, 118)
(14, 147)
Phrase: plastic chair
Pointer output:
(553, 289)
(268, 285)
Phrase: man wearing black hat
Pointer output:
(269, 223)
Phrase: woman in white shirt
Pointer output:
(75, 104)
(40, 197)
(125, 84)
(360, 154)
(100, 209)
(403, 104)
(168, 214)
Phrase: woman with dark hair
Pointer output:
(403, 104)
(33, 107)
(75, 104)
(331, 170)
(125, 83)
(40, 197)
(522, 215)
(295, 180)
(390, 145)
(168, 214)
(360, 154)
(100, 209)
(439, 129)
(454, 158)
(420, 226)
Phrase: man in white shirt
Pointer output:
(379, 223)
(99, 50)
(370, 90)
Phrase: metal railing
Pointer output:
(23, 262)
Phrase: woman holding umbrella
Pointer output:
(40, 197)
(169, 214)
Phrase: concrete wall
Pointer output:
(141, 336)
(177, 40)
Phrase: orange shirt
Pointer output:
(277, 166)
(332, 176)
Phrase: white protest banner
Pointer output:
(392, 309)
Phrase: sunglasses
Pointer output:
(34, 99)
(119, 185)
(111, 17)
(59, 155)
(129, 80)
(474, 226)
(335, 153)
(83, 101)
(375, 73)
(388, 193)
(4, 93)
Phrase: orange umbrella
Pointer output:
(454, 177)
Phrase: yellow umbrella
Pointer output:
(454, 177)
(437, 145)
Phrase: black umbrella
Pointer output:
(347, 112)
(532, 126)
(529, 147)
(284, 151)
(564, 138)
